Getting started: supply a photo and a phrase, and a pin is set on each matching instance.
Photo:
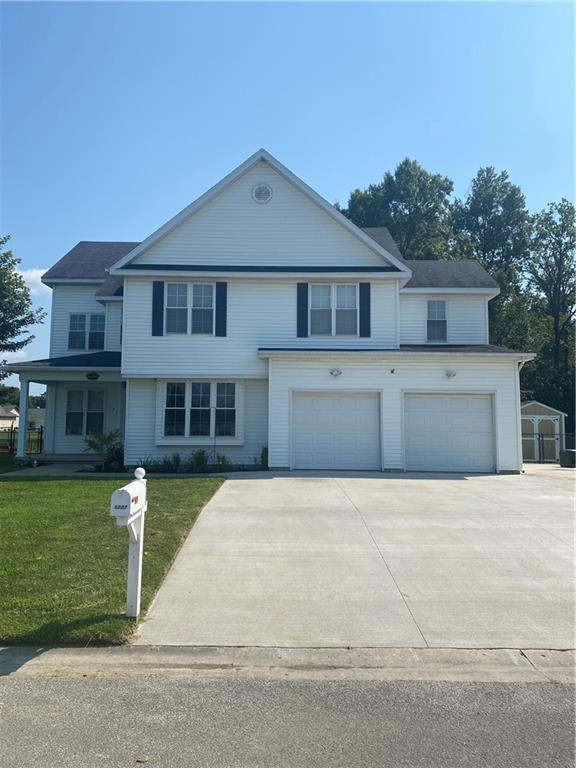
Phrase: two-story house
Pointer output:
(260, 316)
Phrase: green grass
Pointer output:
(7, 463)
(63, 560)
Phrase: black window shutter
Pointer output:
(157, 308)
(221, 308)
(302, 310)
(364, 309)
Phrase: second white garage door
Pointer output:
(453, 433)
(335, 431)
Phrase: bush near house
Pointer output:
(63, 561)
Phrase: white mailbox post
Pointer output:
(128, 505)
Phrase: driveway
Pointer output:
(444, 561)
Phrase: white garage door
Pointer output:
(335, 431)
(452, 433)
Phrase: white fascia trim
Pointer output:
(260, 155)
(393, 355)
(71, 280)
(492, 292)
(251, 276)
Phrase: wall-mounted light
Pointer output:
(450, 374)
(335, 372)
(392, 370)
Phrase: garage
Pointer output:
(450, 433)
(333, 430)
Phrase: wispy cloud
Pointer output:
(14, 357)
(32, 277)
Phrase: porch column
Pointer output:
(23, 418)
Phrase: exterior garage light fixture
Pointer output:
(450, 374)
(335, 372)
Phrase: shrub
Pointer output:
(222, 462)
(264, 457)
(109, 446)
(199, 461)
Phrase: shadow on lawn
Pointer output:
(29, 646)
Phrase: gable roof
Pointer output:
(449, 274)
(89, 259)
(537, 402)
(259, 156)
(8, 412)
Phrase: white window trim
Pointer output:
(85, 348)
(333, 311)
(189, 307)
(84, 406)
(447, 317)
(202, 440)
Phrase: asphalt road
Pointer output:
(280, 724)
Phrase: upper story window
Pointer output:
(190, 308)
(333, 309)
(436, 321)
(86, 331)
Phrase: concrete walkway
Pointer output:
(406, 560)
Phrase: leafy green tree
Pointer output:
(551, 276)
(415, 206)
(16, 312)
(493, 224)
(9, 395)
(38, 401)
(552, 271)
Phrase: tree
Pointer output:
(492, 225)
(16, 312)
(37, 401)
(552, 272)
(9, 395)
(415, 206)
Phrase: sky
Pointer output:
(114, 116)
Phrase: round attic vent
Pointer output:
(262, 193)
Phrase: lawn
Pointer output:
(63, 560)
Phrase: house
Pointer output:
(8, 417)
(260, 317)
(543, 431)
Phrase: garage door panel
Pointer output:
(335, 431)
(449, 433)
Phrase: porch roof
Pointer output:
(108, 360)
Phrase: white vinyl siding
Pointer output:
(260, 314)
(410, 376)
(144, 419)
(67, 300)
(465, 316)
(234, 229)
(114, 325)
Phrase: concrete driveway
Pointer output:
(445, 561)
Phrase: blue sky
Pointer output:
(117, 115)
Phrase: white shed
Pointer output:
(543, 431)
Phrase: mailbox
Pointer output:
(128, 505)
(128, 502)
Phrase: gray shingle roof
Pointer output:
(383, 237)
(88, 360)
(112, 286)
(449, 274)
(88, 259)
(443, 349)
